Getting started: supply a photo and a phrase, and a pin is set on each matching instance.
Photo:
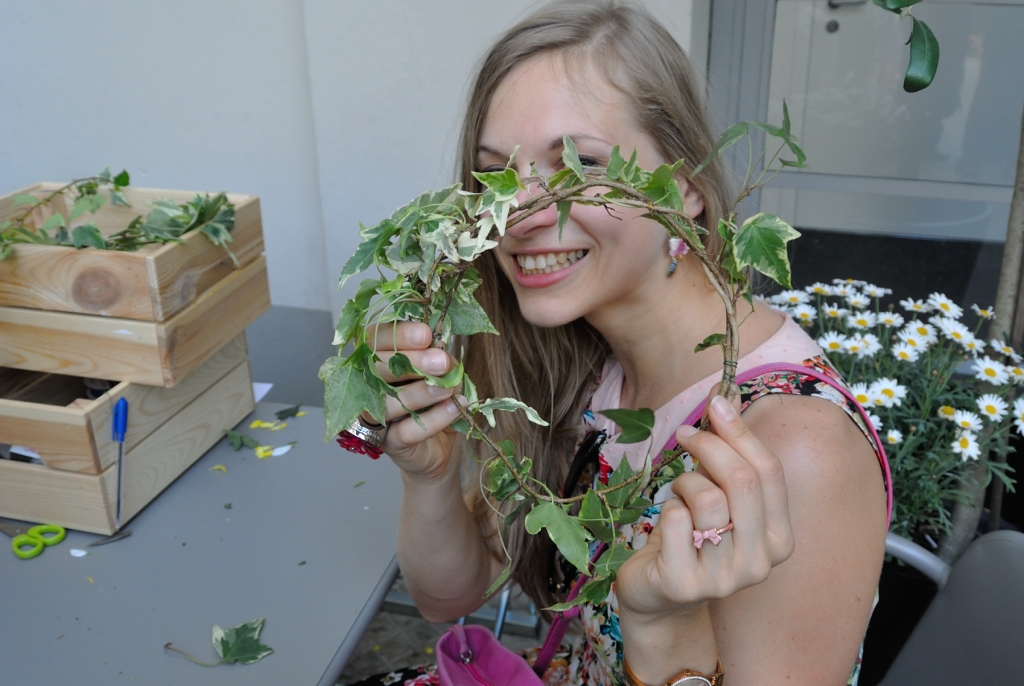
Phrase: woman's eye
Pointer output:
(589, 161)
(493, 168)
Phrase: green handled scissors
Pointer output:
(28, 541)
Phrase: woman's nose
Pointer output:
(542, 219)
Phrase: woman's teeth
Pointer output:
(546, 264)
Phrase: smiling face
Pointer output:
(604, 261)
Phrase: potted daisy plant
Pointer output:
(941, 396)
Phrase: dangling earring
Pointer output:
(677, 247)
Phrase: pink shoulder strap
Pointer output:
(561, 623)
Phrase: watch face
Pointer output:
(692, 680)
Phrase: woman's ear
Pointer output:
(693, 202)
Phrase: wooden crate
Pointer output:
(76, 500)
(45, 412)
(150, 284)
(150, 353)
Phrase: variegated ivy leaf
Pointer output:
(761, 243)
(241, 643)
(488, 408)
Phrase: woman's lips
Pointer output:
(538, 271)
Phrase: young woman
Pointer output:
(592, 320)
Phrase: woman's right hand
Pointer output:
(418, 452)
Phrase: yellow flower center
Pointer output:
(989, 371)
(964, 443)
(957, 335)
(904, 355)
(862, 398)
(922, 331)
(947, 411)
(991, 409)
(888, 392)
(944, 307)
(834, 345)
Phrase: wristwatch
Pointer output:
(688, 677)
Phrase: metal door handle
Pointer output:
(836, 4)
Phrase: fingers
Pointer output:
(399, 336)
(415, 396)
(406, 439)
(432, 361)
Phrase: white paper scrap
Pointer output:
(260, 389)
(280, 451)
(75, 552)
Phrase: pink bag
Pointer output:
(472, 656)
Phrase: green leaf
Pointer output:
(24, 199)
(504, 184)
(563, 216)
(663, 188)
(468, 318)
(761, 243)
(500, 581)
(121, 179)
(571, 158)
(288, 412)
(354, 310)
(117, 198)
(924, 58)
(241, 643)
(728, 137)
(238, 440)
(81, 206)
(450, 380)
(399, 365)
(347, 394)
(96, 202)
(565, 532)
(87, 235)
(53, 221)
(895, 5)
(619, 497)
(612, 558)
(713, 339)
(595, 516)
(636, 425)
(488, 408)
(767, 128)
(616, 162)
(594, 591)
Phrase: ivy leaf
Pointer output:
(728, 137)
(450, 380)
(613, 558)
(616, 162)
(594, 591)
(117, 198)
(288, 413)
(468, 318)
(636, 425)
(241, 643)
(346, 394)
(761, 243)
(895, 5)
(504, 184)
(87, 235)
(571, 158)
(353, 311)
(712, 340)
(24, 199)
(238, 440)
(663, 188)
(122, 179)
(488, 408)
(81, 206)
(400, 365)
(500, 581)
(53, 221)
(594, 516)
(565, 532)
(563, 216)
(924, 58)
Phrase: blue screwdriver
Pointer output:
(118, 428)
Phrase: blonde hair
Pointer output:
(553, 369)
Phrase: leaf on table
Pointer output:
(238, 440)
(636, 425)
(289, 412)
(241, 643)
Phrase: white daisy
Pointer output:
(875, 421)
(911, 305)
(893, 437)
(861, 320)
(1016, 375)
(984, 312)
(873, 291)
(1005, 349)
(888, 392)
(834, 311)
(966, 446)
(893, 319)
(1018, 415)
(992, 407)
(832, 342)
(987, 369)
(947, 307)
(842, 289)
(952, 329)
(973, 346)
(793, 297)
(947, 412)
(854, 346)
(967, 420)
(805, 314)
(819, 288)
(857, 300)
(905, 352)
(871, 345)
(924, 331)
(849, 282)
(860, 393)
(910, 339)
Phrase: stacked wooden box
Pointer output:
(165, 324)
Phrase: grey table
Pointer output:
(191, 563)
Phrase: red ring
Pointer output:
(354, 444)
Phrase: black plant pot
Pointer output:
(904, 594)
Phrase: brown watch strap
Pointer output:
(716, 679)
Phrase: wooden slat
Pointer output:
(214, 319)
(148, 353)
(61, 435)
(37, 494)
(157, 461)
(150, 284)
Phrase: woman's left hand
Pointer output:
(739, 481)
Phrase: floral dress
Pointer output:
(596, 656)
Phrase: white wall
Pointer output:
(332, 111)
